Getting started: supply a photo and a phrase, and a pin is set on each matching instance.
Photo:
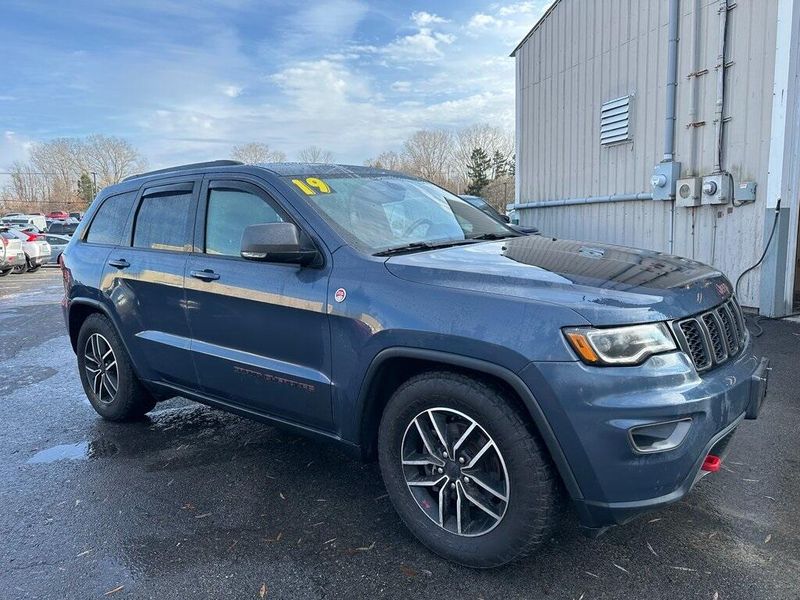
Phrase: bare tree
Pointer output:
(49, 180)
(112, 158)
(499, 192)
(256, 152)
(315, 154)
(489, 138)
(428, 154)
(388, 160)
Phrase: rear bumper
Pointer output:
(12, 260)
(592, 411)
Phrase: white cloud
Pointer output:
(423, 46)
(232, 91)
(424, 19)
(483, 21)
(520, 8)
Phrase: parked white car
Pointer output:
(11, 253)
(36, 250)
(21, 221)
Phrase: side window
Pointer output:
(229, 212)
(108, 225)
(164, 222)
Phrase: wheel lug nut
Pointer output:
(461, 459)
(440, 470)
(466, 479)
(444, 453)
(453, 485)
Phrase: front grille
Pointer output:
(712, 338)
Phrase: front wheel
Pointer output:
(465, 472)
(107, 375)
(5, 272)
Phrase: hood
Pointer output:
(605, 284)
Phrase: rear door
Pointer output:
(260, 331)
(146, 278)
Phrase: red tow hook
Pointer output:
(711, 463)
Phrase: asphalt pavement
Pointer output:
(197, 503)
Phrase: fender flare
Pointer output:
(474, 364)
(104, 310)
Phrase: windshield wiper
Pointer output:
(415, 246)
(492, 236)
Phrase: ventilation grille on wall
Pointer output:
(615, 121)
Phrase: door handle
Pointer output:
(119, 263)
(205, 275)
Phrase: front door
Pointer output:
(260, 334)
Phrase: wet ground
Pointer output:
(198, 503)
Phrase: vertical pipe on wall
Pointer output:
(694, 93)
(670, 112)
(720, 104)
(672, 80)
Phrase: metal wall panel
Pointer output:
(589, 51)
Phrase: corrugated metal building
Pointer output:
(624, 105)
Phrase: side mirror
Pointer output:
(506, 218)
(278, 242)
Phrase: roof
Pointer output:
(299, 169)
(536, 26)
(285, 169)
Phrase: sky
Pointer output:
(187, 80)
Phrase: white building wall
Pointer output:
(586, 52)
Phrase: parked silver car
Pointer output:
(57, 245)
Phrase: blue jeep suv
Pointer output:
(497, 377)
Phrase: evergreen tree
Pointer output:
(477, 168)
(512, 165)
(86, 189)
(499, 165)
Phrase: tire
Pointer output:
(128, 400)
(530, 510)
(20, 269)
(5, 272)
(32, 268)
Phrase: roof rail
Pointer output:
(211, 163)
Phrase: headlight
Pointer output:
(620, 345)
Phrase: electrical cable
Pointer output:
(760, 260)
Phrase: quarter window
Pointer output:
(229, 213)
(164, 222)
(108, 225)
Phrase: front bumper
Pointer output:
(592, 410)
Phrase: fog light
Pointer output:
(659, 437)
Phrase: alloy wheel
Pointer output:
(101, 368)
(455, 472)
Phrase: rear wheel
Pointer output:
(21, 268)
(107, 374)
(467, 475)
(33, 267)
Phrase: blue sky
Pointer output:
(186, 81)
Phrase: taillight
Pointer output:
(32, 237)
(5, 241)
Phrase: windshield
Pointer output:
(382, 212)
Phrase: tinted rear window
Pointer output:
(108, 225)
(164, 222)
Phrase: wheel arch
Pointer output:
(393, 366)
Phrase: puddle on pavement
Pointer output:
(77, 451)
